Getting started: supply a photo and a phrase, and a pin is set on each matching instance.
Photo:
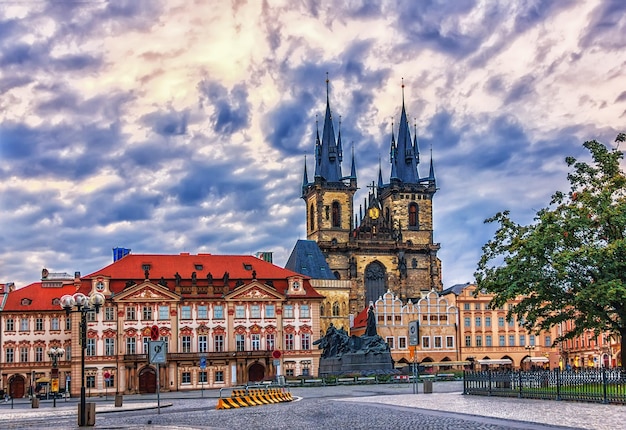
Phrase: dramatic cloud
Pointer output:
(167, 128)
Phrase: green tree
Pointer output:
(570, 263)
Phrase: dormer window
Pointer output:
(198, 266)
(145, 267)
(247, 266)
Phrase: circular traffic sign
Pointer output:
(276, 354)
(154, 332)
(107, 375)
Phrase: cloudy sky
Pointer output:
(182, 126)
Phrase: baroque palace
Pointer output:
(237, 320)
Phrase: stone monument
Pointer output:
(342, 354)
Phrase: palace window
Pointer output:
(240, 342)
(203, 312)
(467, 322)
(389, 341)
(9, 355)
(203, 343)
(336, 309)
(68, 324)
(131, 345)
(500, 321)
(186, 343)
(255, 311)
(269, 342)
(109, 347)
(305, 311)
(488, 340)
(109, 313)
(255, 339)
(24, 355)
(522, 340)
(91, 381)
(186, 378)
(289, 346)
(218, 343)
(55, 325)
(91, 348)
(479, 341)
(240, 312)
(306, 341)
(166, 342)
(164, 312)
(501, 340)
(110, 382)
(38, 324)
(218, 312)
(147, 313)
(487, 321)
(219, 376)
(511, 340)
(10, 325)
(185, 312)
(288, 311)
(202, 377)
(425, 342)
(468, 340)
(39, 354)
(270, 311)
(146, 345)
(402, 342)
(130, 313)
(24, 326)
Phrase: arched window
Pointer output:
(336, 214)
(375, 282)
(336, 309)
(413, 219)
(322, 310)
(312, 217)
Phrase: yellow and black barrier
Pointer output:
(244, 397)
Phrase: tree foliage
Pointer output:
(570, 263)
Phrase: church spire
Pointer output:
(380, 175)
(305, 178)
(353, 167)
(330, 159)
(431, 174)
(406, 162)
(393, 155)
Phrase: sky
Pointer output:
(182, 126)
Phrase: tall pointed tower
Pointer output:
(389, 245)
(328, 198)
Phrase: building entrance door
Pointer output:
(147, 380)
(17, 386)
(256, 372)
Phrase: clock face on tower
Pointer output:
(100, 286)
(374, 213)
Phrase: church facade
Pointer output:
(388, 245)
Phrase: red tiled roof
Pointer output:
(40, 298)
(361, 319)
(239, 267)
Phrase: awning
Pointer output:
(43, 380)
(494, 361)
(445, 363)
(536, 360)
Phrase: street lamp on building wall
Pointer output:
(82, 304)
(530, 349)
(55, 353)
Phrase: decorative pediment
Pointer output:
(202, 329)
(186, 331)
(255, 291)
(255, 329)
(306, 329)
(219, 330)
(146, 292)
(130, 332)
(108, 333)
(240, 329)
(289, 329)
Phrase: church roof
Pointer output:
(307, 259)
(455, 289)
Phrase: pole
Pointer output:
(158, 391)
(415, 372)
(83, 340)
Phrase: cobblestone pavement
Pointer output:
(348, 407)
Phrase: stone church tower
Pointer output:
(388, 244)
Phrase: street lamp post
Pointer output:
(54, 353)
(82, 304)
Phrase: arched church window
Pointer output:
(312, 217)
(387, 215)
(336, 214)
(336, 309)
(375, 282)
(413, 221)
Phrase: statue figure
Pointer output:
(225, 279)
(402, 267)
(209, 278)
(163, 282)
(178, 278)
(371, 322)
(146, 274)
(352, 268)
(254, 274)
(193, 278)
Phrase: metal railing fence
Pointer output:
(585, 385)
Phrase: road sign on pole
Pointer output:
(157, 352)
(154, 332)
(202, 363)
(414, 333)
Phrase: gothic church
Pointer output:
(389, 244)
